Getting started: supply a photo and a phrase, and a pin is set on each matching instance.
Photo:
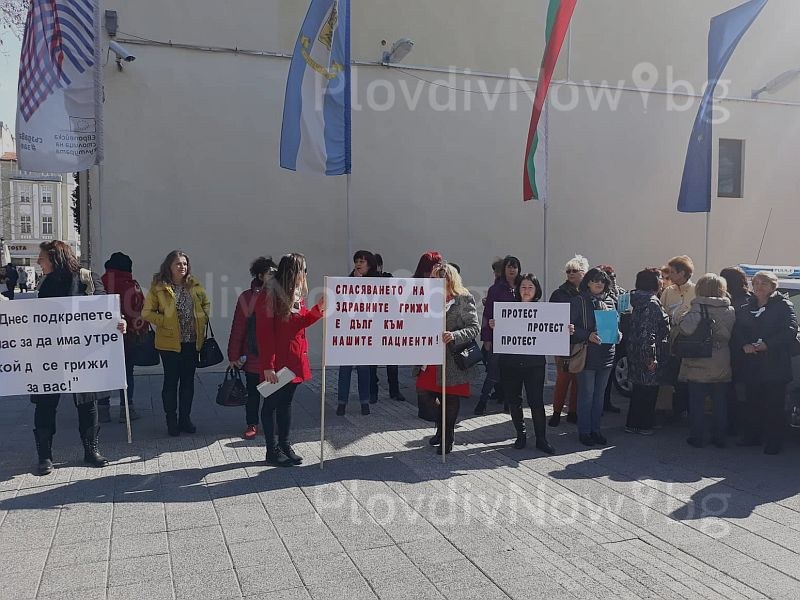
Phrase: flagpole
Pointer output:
(546, 200)
(349, 225)
(708, 229)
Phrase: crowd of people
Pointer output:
(714, 344)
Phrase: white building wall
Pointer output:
(192, 143)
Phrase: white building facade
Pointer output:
(192, 133)
(36, 207)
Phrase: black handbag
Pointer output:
(143, 349)
(467, 354)
(210, 353)
(700, 343)
(232, 391)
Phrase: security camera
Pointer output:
(121, 52)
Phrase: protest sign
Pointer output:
(384, 321)
(535, 328)
(61, 345)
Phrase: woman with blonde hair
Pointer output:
(766, 332)
(709, 376)
(178, 307)
(462, 327)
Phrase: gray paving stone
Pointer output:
(94, 551)
(93, 594)
(27, 560)
(380, 561)
(353, 589)
(141, 568)
(145, 544)
(72, 578)
(208, 559)
(258, 552)
(144, 523)
(161, 589)
(219, 585)
(274, 577)
(333, 568)
(21, 585)
(299, 593)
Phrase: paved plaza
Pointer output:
(202, 517)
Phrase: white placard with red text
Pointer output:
(384, 321)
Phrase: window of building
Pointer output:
(730, 182)
(47, 225)
(25, 227)
(25, 194)
(47, 194)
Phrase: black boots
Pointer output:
(277, 458)
(91, 454)
(518, 419)
(44, 448)
(293, 456)
(436, 438)
(185, 425)
(172, 424)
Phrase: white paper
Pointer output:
(534, 328)
(266, 389)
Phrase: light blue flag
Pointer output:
(726, 31)
(315, 136)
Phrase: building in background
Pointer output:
(34, 208)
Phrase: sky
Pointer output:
(9, 67)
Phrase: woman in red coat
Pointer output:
(242, 345)
(281, 321)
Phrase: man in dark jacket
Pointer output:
(11, 280)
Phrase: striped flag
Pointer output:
(315, 135)
(559, 15)
(58, 96)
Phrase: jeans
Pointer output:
(392, 374)
(130, 382)
(277, 410)
(253, 398)
(177, 392)
(514, 378)
(697, 409)
(642, 410)
(591, 392)
(492, 380)
(366, 384)
(44, 416)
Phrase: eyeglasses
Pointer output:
(573, 271)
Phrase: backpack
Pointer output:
(699, 344)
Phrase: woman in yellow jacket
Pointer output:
(178, 307)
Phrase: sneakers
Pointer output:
(251, 432)
(365, 409)
(131, 411)
(639, 430)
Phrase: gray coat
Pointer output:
(717, 368)
(463, 323)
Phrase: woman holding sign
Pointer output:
(517, 370)
(585, 315)
(462, 326)
(281, 321)
(63, 277)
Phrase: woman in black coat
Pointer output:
(517, 370)
(64, 277)
(766, 331)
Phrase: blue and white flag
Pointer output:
(315, 135)
(59, 97)
(726, 31)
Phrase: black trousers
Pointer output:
(177, 392)
(277, 411)
(532, 379)
(253, 398)
(130, 381)
(44, 415)
(766, 412)
(392, 374)
(642, 410)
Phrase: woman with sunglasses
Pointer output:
(281, 321)
(575, 269)
(592, 379)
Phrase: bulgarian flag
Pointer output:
(559, 14)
